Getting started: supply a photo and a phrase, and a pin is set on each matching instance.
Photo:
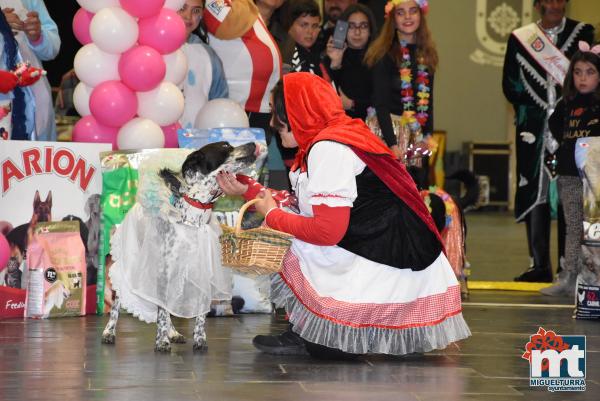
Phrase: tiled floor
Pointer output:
(63, 360)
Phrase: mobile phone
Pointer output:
(339, 34)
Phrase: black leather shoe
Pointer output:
(286, 343)
(535, 275)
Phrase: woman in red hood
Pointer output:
(366, 272)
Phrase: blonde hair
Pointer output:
(387, 43)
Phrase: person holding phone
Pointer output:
(351, 76)
(404, 58)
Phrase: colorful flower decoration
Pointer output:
(423, 5)
(415, 114)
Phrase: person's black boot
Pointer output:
(535, 275)
(286, 343)
(538, 229)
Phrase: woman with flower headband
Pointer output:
(403, 58)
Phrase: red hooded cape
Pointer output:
(316, 114)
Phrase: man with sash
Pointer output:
(536, 61)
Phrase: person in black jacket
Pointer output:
(534, 93)
(346, 66)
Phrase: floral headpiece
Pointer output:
(423, 5)
(585, 47)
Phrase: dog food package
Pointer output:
(120, 179)
(587, 158)
(56, 271)
(588, 302)
(42, 182)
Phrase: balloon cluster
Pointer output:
(129, 69)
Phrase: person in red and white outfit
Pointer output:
(249, 53)
(366, 272)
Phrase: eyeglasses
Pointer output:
(355, 27)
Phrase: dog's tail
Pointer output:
(171, 180)
(472, 188)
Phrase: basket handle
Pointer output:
(245, 206)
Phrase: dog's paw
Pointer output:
(177, 338)
(200, 346)
(108, 338)
(162, 346)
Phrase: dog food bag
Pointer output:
(587, 158)
(44, 182)
(57, 271)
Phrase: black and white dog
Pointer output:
(192, 191)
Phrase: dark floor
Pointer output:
(63, 359)
(497, 246)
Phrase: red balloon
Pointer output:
(142, 68)
(164, 32)
(89, 130)
(81, 26)
(170, 132)
(112, 103)
(4, 252)
(142, 8)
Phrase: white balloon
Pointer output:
(177, 66)
(93, 66)
(113, 30)
(140, 133)
(222, 113)
(174, 4)
(94, 6)
(163, 105)
(81, 99)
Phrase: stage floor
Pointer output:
(63, 360)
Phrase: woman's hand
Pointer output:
(13, 20)
(335, 54)
(347, 103)
(230, 185)
(265, 203)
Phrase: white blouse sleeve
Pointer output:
(332, 171)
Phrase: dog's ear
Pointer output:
(171, 180)
(49, 199)
(36, 199)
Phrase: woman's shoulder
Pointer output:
(334, 155)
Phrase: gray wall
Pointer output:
(468, 102)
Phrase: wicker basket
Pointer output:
(254, 251)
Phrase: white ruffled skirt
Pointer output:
(161, 263)
(344, 301)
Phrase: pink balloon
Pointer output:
(142, 8)
(81, 26)
(4, 252)
(165, 31)
(142, 68)
(170, 132)
(89, 130)
(113, 104)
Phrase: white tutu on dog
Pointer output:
(158, 262)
